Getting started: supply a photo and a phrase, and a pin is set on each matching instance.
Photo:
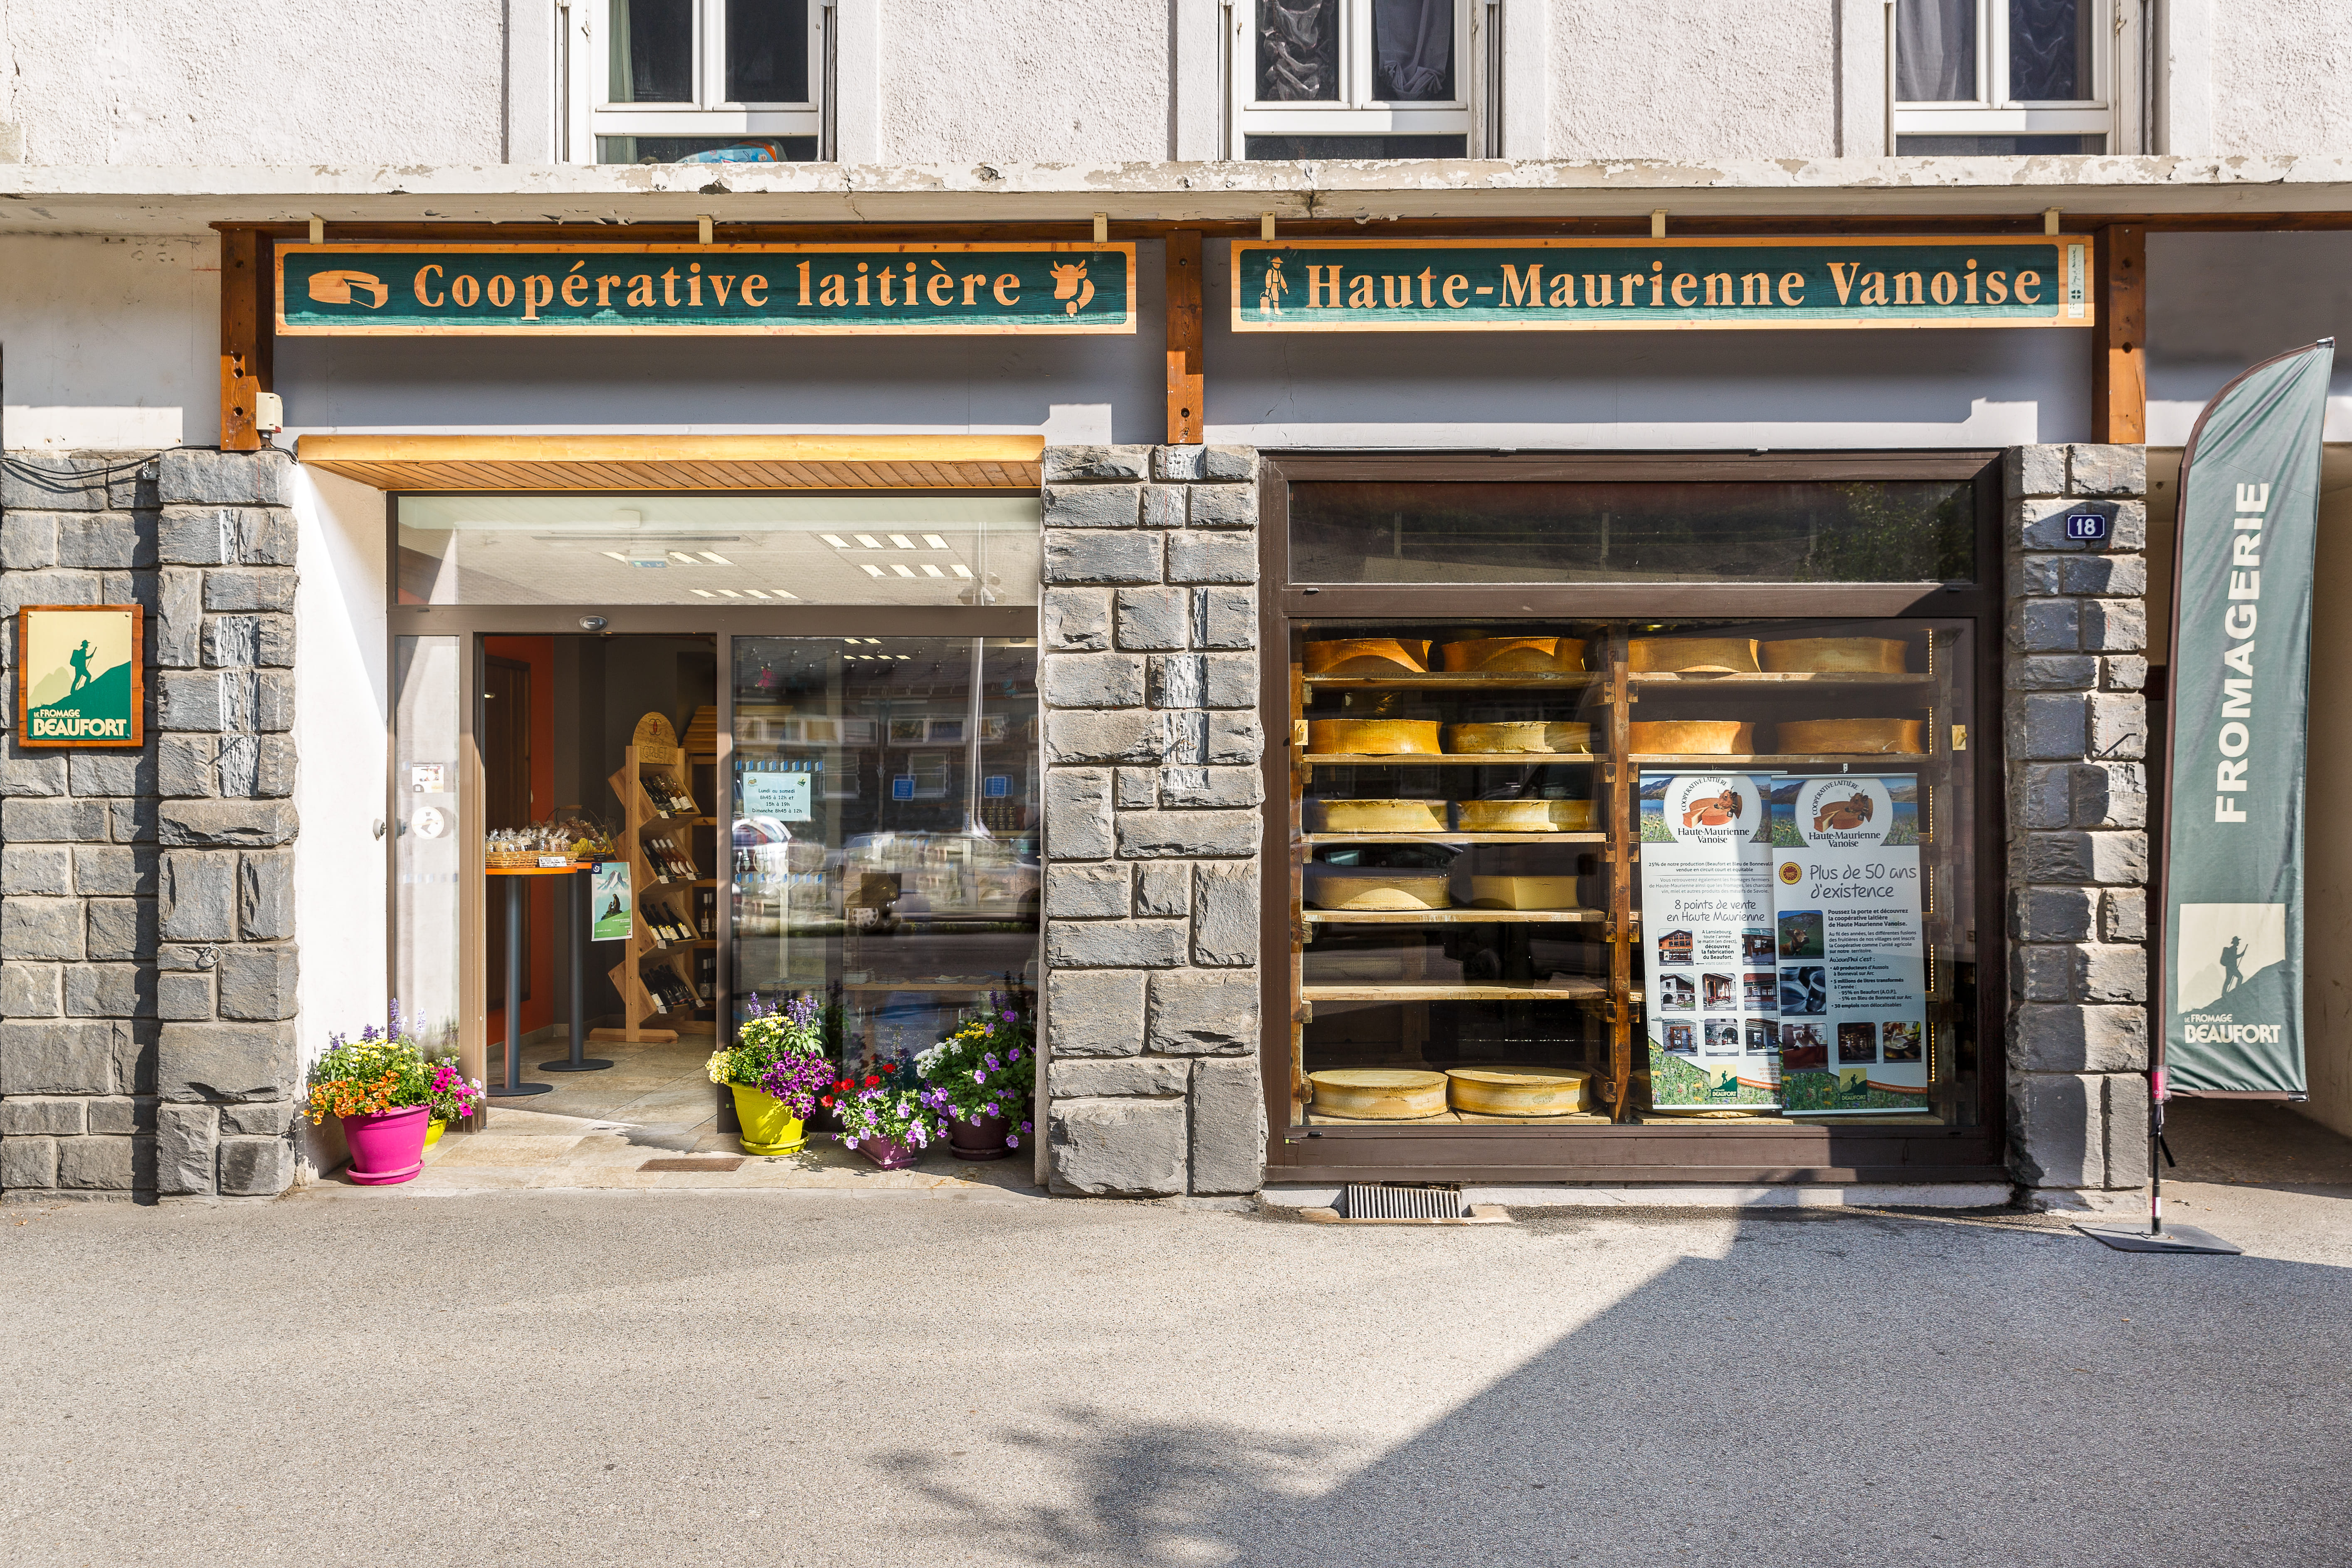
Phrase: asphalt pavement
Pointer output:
(787, 1378)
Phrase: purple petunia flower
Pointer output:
(1013, 1017)
(978, 1076)
(1011, 1141)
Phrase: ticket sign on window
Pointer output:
(1619, 285)
(390, 289)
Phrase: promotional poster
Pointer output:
(609, 899)
(1707, 913)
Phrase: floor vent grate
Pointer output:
(1380, 1201)
(707, 1162)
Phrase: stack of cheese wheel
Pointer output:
(1852, 735)
(1376, 816)
(1378, 1094)
(1376, 888)
(1367, 656)
(1519, 736)
(1526, 815)
(1513, 655)
(1373, 737)
(1515, 1092)
(1692, 737)
(1692, 656)
(1523, 892)
(1843, 656)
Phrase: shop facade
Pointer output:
(1302, 716)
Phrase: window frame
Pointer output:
(1350, 115)
(1995, 112)
(708, 114)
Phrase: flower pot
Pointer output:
(433, 1131)
(390, 1148)
(890, 1153)
(769, 1125)
(981, 1139)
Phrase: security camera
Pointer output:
(591, 623)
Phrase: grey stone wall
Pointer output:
(1149, 673)
(147, 953)
(2077, 738)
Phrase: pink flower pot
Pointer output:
(389, 1148)
(890, 1153)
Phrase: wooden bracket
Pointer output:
(2119, 361)
(244, 354)
(1187, 384)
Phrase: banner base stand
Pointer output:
(2174, 1239)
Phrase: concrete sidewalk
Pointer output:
(813, 1377)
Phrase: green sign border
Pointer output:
(1685, 285)
(408, 289)
(136, 735)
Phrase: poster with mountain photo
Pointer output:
(77, 675)
(1706, 921)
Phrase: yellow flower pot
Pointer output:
(769, 1125)
(433, 1131)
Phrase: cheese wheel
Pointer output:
(1517, 1091)
(1693, 737)
(1373, 737)
(1719, 656)
(1378, 1094)
(1523, 892)
(1367, 656)
(1905, 735)
(1377, 816)
(1375, 888)
(1534, 736)
(1526, 815)
(1513, 655)
(1847, 656)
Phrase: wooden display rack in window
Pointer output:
(654, 757)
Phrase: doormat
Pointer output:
(704, 1163)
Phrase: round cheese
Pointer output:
(1378, 1094)
(1375, 888)
(1526, 815)
(1517, 1091)
(1852, 735)
(1844, 656)
(1367, 656)
(1693, 737)
(1534, 736)
(1377, 816)
(1670, 656)
(1373, 737)
(1523, 892)
(1513, 655)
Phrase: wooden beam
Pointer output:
(241, 339)
(2120, 363)
(1187, 382)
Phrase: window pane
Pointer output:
(886, 829)
(1263, 148)
(1994, 146)
(706, 149)
(1298, 50)
(653, 52)
(425, 838)
(1912, 530)
(767, 52)
(1412, 50)
(737, 550)
(2050, 50)
(1936, 52)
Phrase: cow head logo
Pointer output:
(337, 288)
(1071, 283)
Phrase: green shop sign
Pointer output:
(361, 290)
(1567, 285)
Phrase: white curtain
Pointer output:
(1413, 46)
(622, 76)
(1936, 50)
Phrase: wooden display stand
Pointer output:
(654, 754)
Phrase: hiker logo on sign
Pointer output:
(78, 676)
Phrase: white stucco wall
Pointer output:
(109, 345)
(1021, 79)
(2276, 77)
(1693, 79)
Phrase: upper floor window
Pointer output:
(2001, 76)
(1351, 79)
(673, 80)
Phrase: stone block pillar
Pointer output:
(1149, 673)
(2077, 738)
(147, 955)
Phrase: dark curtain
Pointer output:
(1298, 50)
(1412, 49)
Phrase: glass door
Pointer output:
(428, 840)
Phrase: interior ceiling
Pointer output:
(694, 463)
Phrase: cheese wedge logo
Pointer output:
(337, 288)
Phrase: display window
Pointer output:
(1631, 807)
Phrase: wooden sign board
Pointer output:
(408, 289)
(78, 675)
(1620, 285)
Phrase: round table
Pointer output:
(574, 902)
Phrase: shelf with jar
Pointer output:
(667, 978)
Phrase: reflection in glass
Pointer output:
(1297, 51)
(1812, 532)
(425, 838)
(2049, 51)
(652, 50)
(767, 52)
(886, 828)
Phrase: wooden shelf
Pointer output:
(1779, 759)
(1585, 990)
(1445, 759)
(1769, 680)
(1442, 682)
(1337, 838)
(1448, 917)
